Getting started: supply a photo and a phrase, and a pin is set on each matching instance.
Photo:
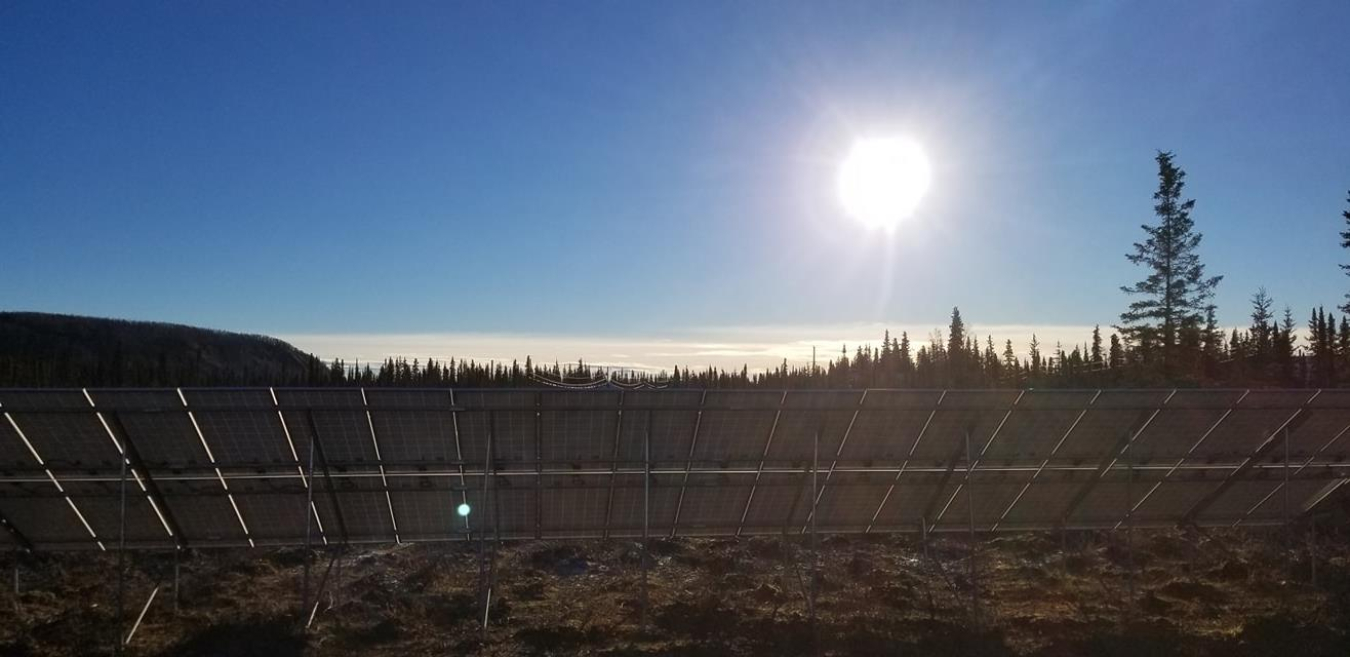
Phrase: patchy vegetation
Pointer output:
(1217, 593)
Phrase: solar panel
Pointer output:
(886, 427)
(48, 522)
(1232, 506)
(735, 428)
(247, 439)
(909, 499)
(69, 441)
(416, 428)
(985, 496)
(964, 419)
(781, 504)
(510, 416)
(576, 505)
(672, 430)
(804, 414)
(1174, 497)
(1037, 426)
(100, 504)
(1111, 421)
(1044, 503)
(1300, 493)
(230, 468)
(713, 504)
(849, 502)
(1191, 415)
(427, 514)
(344, 429)
(577, 437)
(1109, 500)
(626, 511)
(365, 508)
(14, 455)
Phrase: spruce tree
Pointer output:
(1345, 244)
(956, 350)
(1176, 291)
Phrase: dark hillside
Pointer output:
(40, 349)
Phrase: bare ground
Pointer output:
(1217, 593)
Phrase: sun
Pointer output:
(883, 179)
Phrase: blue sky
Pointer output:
(653, 171)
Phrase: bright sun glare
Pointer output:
(882, 180)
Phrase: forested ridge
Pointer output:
(1166, 336)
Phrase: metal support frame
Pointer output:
(177, 581)
(931, 510)
(759, 471)
(1127, 438)
(17, 591)
(539, 468)
(313, 610)
(646, 513)
(1189, 454)
(840, 449)
(459, 456)
(970, 537)
(1129, 530)
(47, 471)
(1293, 422)
(1054, 451)
(211, 458)
(1312, 549)
(903, 466)
(689, 465)
(121, 555)
(1302, 466)
(614, 468)
(147, 481)
(309, 552)
(24, 544)
(316, 442)
(815, 542)
(141, 617)
(379, 462)
(485, 565)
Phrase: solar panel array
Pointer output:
(254, 467)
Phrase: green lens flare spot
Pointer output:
(463, 510)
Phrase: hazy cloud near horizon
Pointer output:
(723, 347)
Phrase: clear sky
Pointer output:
(644, 171)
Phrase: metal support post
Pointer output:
(646, 511)
(1129, 528)
(970, 514)
(484, 569)
(1288, 534)
(323, 585)
(141, 617)
(1312, 549)
(1064, 549)
(121, 553)
(815, 541)
(177, 599)
(309, 521)
(16, 584)
(923, 535)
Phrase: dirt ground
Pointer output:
(1191, 593)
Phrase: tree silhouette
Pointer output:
(1176, 293)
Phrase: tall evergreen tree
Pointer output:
(1345, 244)
(956, 349)
(1176, 291)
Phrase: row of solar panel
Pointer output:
(242, 428)
(375, 509)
